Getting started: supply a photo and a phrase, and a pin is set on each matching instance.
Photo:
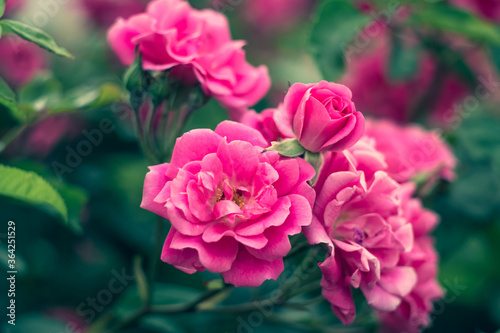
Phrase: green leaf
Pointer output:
(287, 148)
(89, 97)
(336, 24)
(32, 189)
(316, 160)
(403, 62)
(451, 19)
(34, 35)
(2, 11)
(42, 93)
(8, 99)
(75, 199)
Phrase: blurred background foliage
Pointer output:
(60, 268)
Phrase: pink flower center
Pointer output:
(238, 197)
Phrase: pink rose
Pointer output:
(227, 76)
(172, 34)
(358, 214)
(413, 313)
(231, 206)
(168, 40)
(264, 123)
(411, 150)
(321, 116)
(21, 60)
(105, 12)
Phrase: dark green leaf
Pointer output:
(451, 19)
(8, 99)
(32, 189)
(75, 199)
(34, 35)
(336, 24)
(287, 148)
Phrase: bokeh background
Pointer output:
(432, 62)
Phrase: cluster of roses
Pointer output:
(233, 197)
(233, 204)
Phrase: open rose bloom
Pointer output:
(378, 237)
(199, 43)
(231, 206)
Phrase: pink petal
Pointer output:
(249, 271)
(237, 131)
(216, 257)
(186, 260)
(155, 180)
(192, 146)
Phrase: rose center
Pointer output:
(237, 197)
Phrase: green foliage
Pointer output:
(45, 94)
(8, 99)
(2, 11)
(42, 93)
(31, 189)
(336, 23)
(404, 59)
(451, 19)
(34, 35)
(288, 148)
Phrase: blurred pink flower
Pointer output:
(358, 214)
(277, 14)
(375, 93)
(321, 116)
(200, 42)
(105, 12)
(42, 138)
(411, 151)
(11, 6)
(489, 9)
(74, 323)
(232, 207)
(21, 60)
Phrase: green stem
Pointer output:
(167, 309)
(156, 254)
(140, 137)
